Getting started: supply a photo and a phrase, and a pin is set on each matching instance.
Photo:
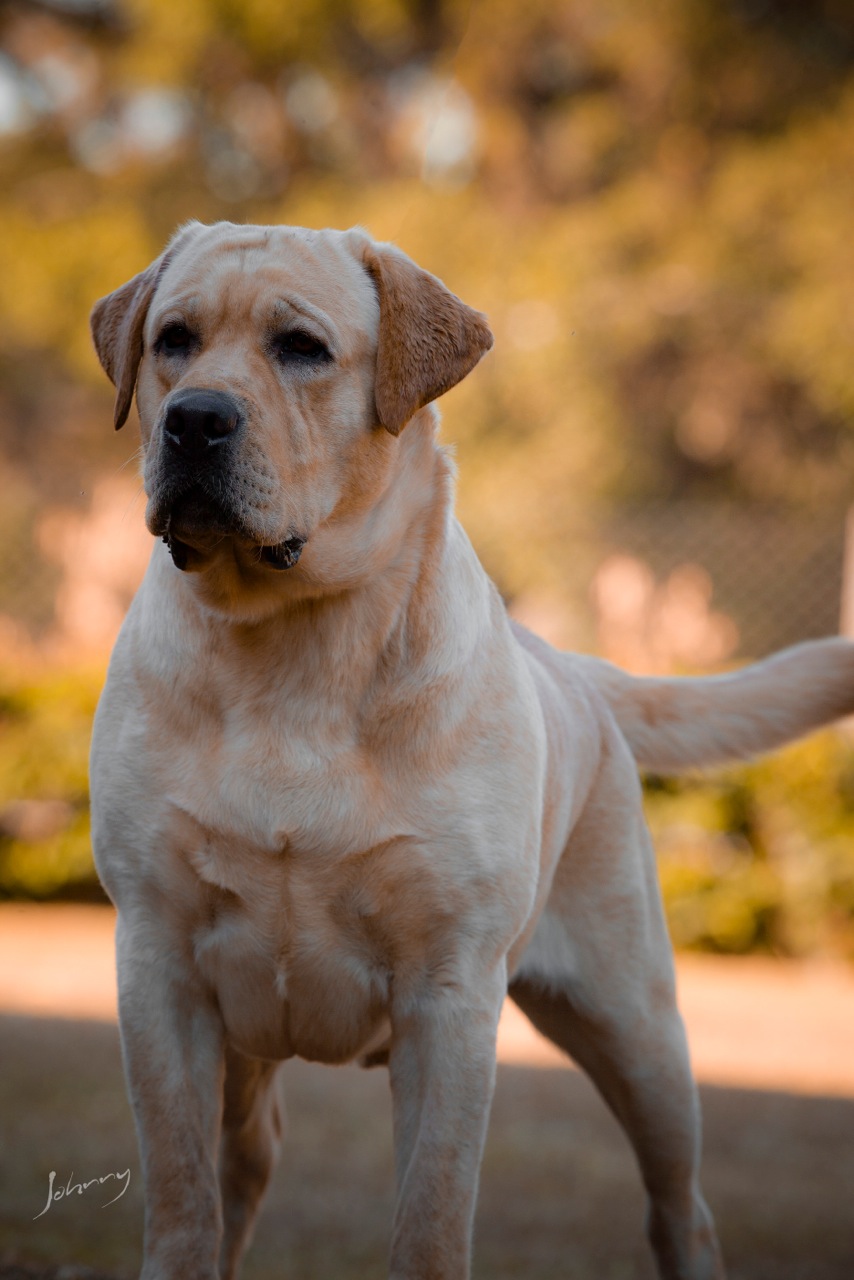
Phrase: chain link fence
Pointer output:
(682, 585)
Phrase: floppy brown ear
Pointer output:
(428, 340)
(117, 322)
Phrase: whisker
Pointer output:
(136, 456)
(132, 502)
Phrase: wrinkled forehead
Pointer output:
(250, 274)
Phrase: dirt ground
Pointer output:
(560, 1197)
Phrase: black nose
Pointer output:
(197, 420)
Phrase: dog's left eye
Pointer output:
(297, 343)
(175, 338)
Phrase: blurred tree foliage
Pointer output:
(45, 725)
(758, 858)
(652, 202)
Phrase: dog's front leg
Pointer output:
(442, 1068)
(172, 1044)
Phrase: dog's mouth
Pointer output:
(196, 522)
(283, 555)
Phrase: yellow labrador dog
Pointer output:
(342, 804)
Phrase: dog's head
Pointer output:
(275, 369)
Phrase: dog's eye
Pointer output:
(297, 343)
(174, 339)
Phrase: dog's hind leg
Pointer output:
(597, 979)
(251, 1139)
(657, 1107)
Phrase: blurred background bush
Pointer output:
(652, 203)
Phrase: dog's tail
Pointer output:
(683, 723)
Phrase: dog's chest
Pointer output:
(256, 779)
(318, 874)
(293, 951)
(289, 981)
(291, 853)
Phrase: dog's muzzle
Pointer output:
(194, 503)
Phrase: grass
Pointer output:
(560, 1196)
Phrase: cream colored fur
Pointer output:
(341, 808)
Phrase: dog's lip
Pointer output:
(193, 524)
(197, 511)
(283, 555)
(278, 556)
(190, 545)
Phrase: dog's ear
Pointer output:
(118, 321)
(428, 339)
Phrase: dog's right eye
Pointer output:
(174, 339)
